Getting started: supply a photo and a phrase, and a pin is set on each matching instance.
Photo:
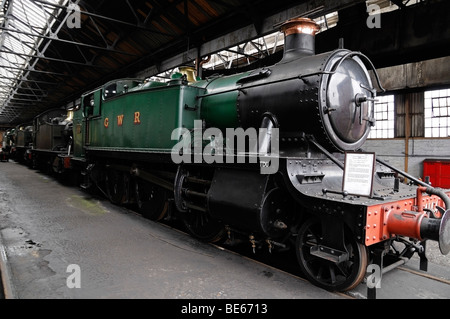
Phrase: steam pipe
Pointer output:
(438, 192)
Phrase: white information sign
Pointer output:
(358, 173)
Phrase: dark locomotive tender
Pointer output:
(51, 141)
(322, 106)
(17, 143)
(7, 144)
(23, 142)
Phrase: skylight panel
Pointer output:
(22, 25)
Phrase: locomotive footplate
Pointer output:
(309, 178)
(328, 253)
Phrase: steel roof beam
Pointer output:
(34, 71)
(26, 80)
(24, 100)
(10, 103)
(138, 26)
(23, 88)
(33, 95)
(54, 37)
(40, 55)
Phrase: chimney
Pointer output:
(299, 38)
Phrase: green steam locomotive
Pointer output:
(270, 156)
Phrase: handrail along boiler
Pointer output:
(321, 104)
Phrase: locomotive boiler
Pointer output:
(310, 112)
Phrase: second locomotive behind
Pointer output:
(315, 108)
(52, 136)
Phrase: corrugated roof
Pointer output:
(22, 23)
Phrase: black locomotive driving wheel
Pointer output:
(115, 186)
(203, 226)
(151, 200)
(325, 273)
(190, 192)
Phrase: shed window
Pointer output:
(384, 116)
(437, 113)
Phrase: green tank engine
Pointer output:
(308, 111)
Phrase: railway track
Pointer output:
(426, 275)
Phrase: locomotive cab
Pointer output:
(118, 87)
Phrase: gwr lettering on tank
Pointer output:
(120, 118)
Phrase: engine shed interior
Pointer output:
(348, 99)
